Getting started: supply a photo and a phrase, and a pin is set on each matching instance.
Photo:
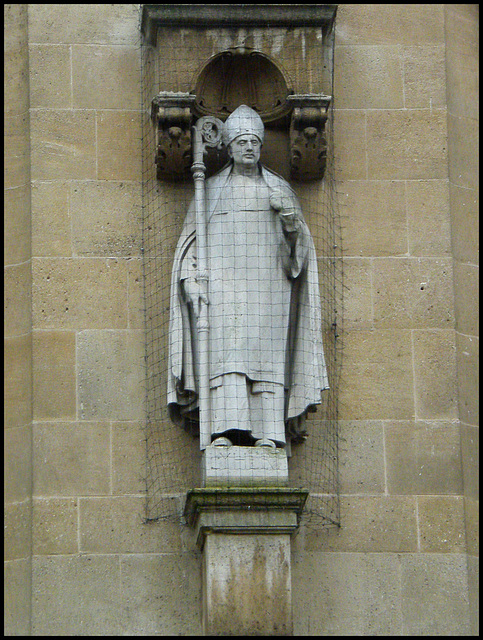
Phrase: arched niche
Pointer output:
(242, 76)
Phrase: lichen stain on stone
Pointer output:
(252, 597)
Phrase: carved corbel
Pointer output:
(172, 116)
(308, 144)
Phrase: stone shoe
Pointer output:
(222, 442)
(265, 442)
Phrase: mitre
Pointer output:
(242, 121)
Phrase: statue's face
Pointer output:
(245, 150)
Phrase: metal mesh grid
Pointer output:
(172, 453)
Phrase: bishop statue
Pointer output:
(266, 360)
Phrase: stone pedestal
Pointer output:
(244, 533)
(244, 466)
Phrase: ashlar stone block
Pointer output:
(247, 585)
(79, 293)
(374, 217)
(50, 76)
(413, 293)
(51, 222)
(71, 459)
(434, 594)
(369, 77)
(242, 466)
(106, 218)
(428, 217)
(63, 144)
(372, 361)
(347, 594)
(435, 374)
(105, 77)
(118, 145)
(423, 458)
(54, 384)
(441, 524)
(76, 595)
(110, 375)
(55, 522)
(407, 144)
(161, 594)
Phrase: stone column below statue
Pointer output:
(244, 533)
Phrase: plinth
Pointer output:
(244, 534)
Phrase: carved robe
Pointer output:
(264, 306)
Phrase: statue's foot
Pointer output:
(222, 442)
(265, 442)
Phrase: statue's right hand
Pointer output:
(194, 295)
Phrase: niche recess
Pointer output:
(241, 76)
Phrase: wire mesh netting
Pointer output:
(274, 269)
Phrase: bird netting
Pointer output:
(273, 274)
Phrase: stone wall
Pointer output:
(404, 127)
(18, 326)
(461, 32)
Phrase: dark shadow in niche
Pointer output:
(242, 76)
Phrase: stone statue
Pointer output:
(266, 362)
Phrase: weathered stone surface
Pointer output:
(361, 457)
(244, 466)
(84, 293)
(115, 524)
(118, 145)
(106, 218)
(76, 595)
(50, 76)
(54, 375)
(247, 585)
(55, 526)
(370, 77)
(110, 379)
(18, 473)
(17, 596)
(434, 594)
(51, 220)
(441, 524)
(435, 374)
(423, 458)
(372, 524)
(413, 293)
(358, 593)
(105, 77)
(71, 459)
(63, 144)
(378, 205)
(428, 217)
(161, 594)
(377, 358)
(407, 144)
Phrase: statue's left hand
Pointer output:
(284, 206)
(279, 201)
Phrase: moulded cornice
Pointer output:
(234, 15)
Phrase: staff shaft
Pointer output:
(203, 328)
(206, 133)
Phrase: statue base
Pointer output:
(244, 533)
(244, 466)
